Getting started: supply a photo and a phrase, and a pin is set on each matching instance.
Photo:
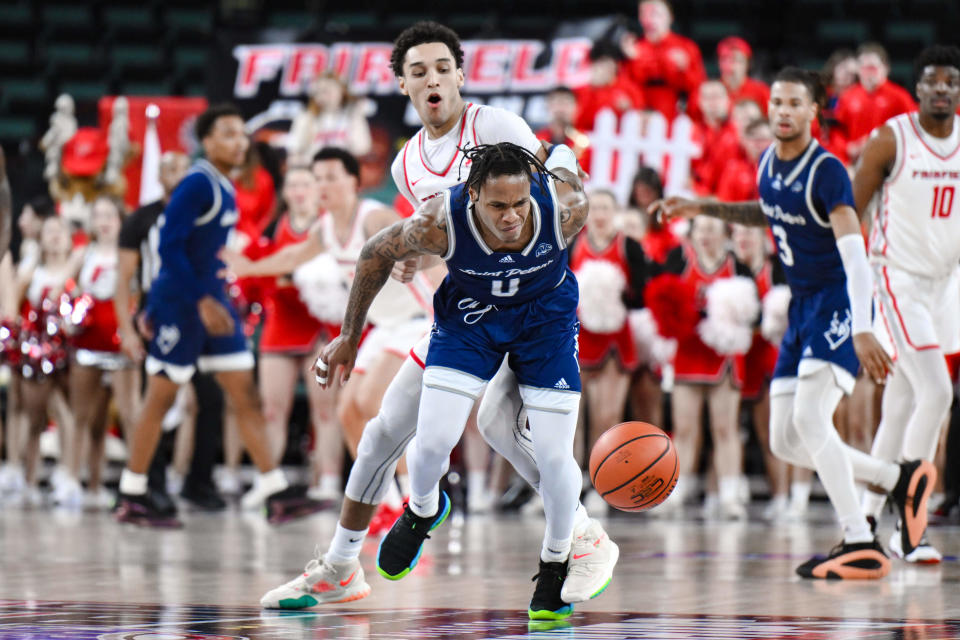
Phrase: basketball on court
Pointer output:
(633, 466)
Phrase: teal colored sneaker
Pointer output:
(400, 549)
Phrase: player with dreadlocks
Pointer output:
(427, 60)
(503, 235)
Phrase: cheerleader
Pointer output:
(40, 289)
(755, 368)
(702, 375)
(611, 272)
(98, 368)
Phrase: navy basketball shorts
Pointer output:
(540, 337)
(180, 342)
(819, 328)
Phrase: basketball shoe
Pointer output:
(547, 603)
(848, 561)
(321, 582)
(400, 549)
(923, 553)
(911, 494)
(143, 511)
(593, 556)
(384, 518)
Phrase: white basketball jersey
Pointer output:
(396, 302)
(424, 168)
(916, 226)
(98, 275)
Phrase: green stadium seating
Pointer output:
(14, 128)
(842, 32)
(85, 91)
(136, 56)
(67, 15)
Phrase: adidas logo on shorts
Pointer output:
(561, 384)
(506, 259)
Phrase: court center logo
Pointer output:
(839, 330)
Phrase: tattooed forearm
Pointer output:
(372, 272)
(745, 213)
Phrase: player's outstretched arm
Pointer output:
(284, 261)
(746, 213)
(573, 202)
(424, 233)
(874, 166)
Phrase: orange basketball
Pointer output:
(633, 466)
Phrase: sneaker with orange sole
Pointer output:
(848, 561)
(913, 489)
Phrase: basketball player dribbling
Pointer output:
(427, 60)
(912, 161)
(807, 199)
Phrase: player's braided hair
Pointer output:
(503, 159)
(938, 55)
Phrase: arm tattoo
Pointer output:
(745, 213)
(401, 240)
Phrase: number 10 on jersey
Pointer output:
(942, 202)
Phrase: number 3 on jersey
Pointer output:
(786, 255)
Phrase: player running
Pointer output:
(806, 198)
(427, 60)
(913, 162)
(485, 309)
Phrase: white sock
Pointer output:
(272, 481)
(329, 482)
(345, 546)
(476, 481)
(729, 489)
(403, 480)
(800, 493)
(133, 484)
(392, 497)
(426, 506)
(856, 529)
(555, 550)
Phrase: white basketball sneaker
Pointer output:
(593, 556)
(924, 553)
(321, 582)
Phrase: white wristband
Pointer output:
(859, 281)
(562, 156)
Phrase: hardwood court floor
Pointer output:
(83, 576)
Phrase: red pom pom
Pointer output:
(673, 303)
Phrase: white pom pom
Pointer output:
(322, 288)
(653, 349)
(732, 308)
(776, 305)
(601, 308)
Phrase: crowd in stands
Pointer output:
(69, 334)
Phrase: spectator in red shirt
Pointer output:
(667, 67)
(868, 104)
(606, 89)
(716, 134)
(256, 197)
(733, 58)
(738, 181)
(562, 109)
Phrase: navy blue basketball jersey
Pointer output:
(797, 197)
(505, 278)
(193, 228)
